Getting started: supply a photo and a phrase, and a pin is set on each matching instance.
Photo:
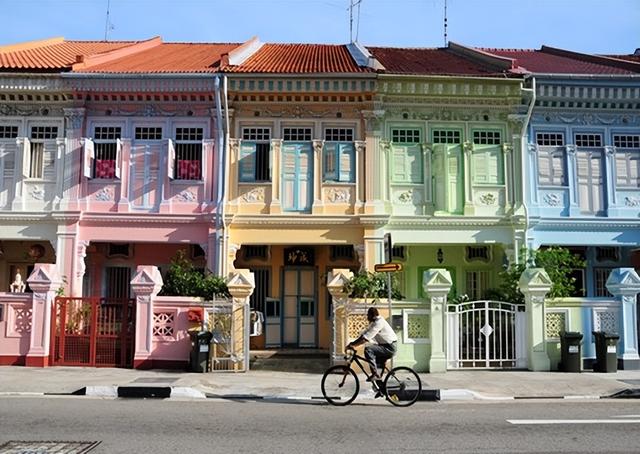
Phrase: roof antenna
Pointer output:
(445, 23)
(353, 3)
(108, 26)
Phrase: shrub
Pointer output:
(183, 279)
(365, 284)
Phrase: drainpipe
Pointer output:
(220, 177)
(525, 157)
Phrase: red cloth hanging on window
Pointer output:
(188, 169)
(105, 168)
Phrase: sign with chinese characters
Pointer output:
(299, 256)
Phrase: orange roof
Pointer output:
(52, 54)
(299, 58)
(166, 58)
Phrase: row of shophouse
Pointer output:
(292, 160)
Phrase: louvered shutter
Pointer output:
(247, 161)
(400, 173)
(289, 166)
(544, 167)
(330, 161)
(346, 156)
(118, 163)
(414, 166)
(487, 165)
(171, 159)
(89, 155)
(634, 169)
(557, 168)
(622, 169)
(305, 176)
(26, 157)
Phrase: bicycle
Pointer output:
(340, 384)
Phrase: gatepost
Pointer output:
(436, 283)
(624, 285)
(146, 284)
(534, 284)
(241, 284)
(44, 281)
(336, 280)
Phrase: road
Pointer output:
(171, 426)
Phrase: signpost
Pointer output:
(388, 267)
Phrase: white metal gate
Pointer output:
(486, 334)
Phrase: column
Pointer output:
(507, 148)
(610, 181)
(44, 282)
(359, 162)
(624, 284)
(427, 201)
(145, 285)
(240, 283)
(436, 283)
(73, 159)
(125, 174)
(469, 208)
(572, 180)
(336, 280)
(318, 204)
(535, 284)
(374, 177)
(276, 150)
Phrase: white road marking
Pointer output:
(572, 421)
(626, 416)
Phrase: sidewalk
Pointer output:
(479, 384)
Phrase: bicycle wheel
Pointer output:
(340, 385)
(402, 386)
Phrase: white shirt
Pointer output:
(380, 331)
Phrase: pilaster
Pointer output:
(44, 281)
(469, 208)
(374, 179)
(436, 283)
(624, 285)
(276, 154)
(125, 174)
(572, 180)
(318, 205)
(535, 284)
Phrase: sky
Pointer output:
(593, 26)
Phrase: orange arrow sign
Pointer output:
(388, 267)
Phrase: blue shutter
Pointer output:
(330, 161)
(346, 157)
(247, 161)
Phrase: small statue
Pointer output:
(18, 285)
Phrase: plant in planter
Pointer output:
(183, 279)
(366, 284)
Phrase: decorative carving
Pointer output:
(406, 196)
(417, 326)
(467, 146)
(537, 299)
(232, 252)
(426, 147)
(488, 198)
(276, 144)
(151, 110)
(586, 118)
(605, 321)
(21, 317)
(373, 119)
(385, 146)
(632, 201)
(163, 324)
(254, 195)
(37, 193)
(555, 323)
(516, 121)
(234, 146)
(360, 146)
(571, 149)
(553, 199)
(507, 147)
(81, 251)
(18, 285)
(74, 117)
(186, 195)
(532, 147)
(104, 195)
(610, 150)
(357, 323)
(338, 195)
(317, 146)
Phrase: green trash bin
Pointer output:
(199, 358)
(571, 352)
(606, 352)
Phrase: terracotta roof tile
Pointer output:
(55, 56)
(556, 61)
(168, 58)
(434, 61)
(299, 58)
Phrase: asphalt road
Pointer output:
(170, 426)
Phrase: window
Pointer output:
(627, 160)
(117, 283)
(405, 135)
(36, 157)
(626, 141)
(188, 152)
(589, 140)
(487, 137)
(600, 276)
(477, 284)
(607, 254)
(119, 250)
(338, 162)
(148, 133)
(106, 151)
(446, 136)
(297, 134)
(8, 132)
(255, 155)
(398, 253)
(258, 252)
(551, 168)
(338, 134)
(477, 253)
(550, 139)
(341, 253)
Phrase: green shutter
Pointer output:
(399, 164)
(247, 161)
(415, 167)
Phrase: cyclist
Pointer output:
(380, 332)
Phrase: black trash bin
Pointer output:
(606, 352)
(199, 358)
(571, 354)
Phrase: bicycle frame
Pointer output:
(354, 357)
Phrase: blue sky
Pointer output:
(598, 26)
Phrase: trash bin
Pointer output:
(199, 357)
(571, 355)
(606, 352)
